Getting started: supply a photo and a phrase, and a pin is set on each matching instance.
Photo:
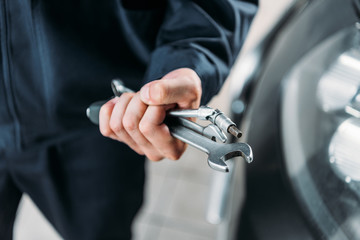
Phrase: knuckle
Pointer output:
(155, 158)
(129, 124)
(105, 131)
(175, 155)
(145, 128)
(138, 150)
(127, 95)
(105, 109)
(194, 81)
(160, 92)
(116, 126)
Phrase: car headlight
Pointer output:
(344, 151)
(339, 94)
(320, 119)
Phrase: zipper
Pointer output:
(5, 46)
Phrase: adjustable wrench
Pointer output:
(192, 133)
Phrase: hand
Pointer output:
(137, 118)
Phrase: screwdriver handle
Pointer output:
(118, 88)
(92, 112)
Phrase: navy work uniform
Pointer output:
(57, 57)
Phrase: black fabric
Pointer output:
(59, 56)
(89, 187)
(204, 35)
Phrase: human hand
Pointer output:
(137, 118)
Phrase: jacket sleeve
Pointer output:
(204, 35)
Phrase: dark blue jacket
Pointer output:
(58, 56)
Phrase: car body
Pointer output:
(300, 111)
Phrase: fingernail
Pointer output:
(145, 93)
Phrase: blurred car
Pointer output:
(298, 103)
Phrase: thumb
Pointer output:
(180, 90)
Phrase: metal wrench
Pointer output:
(192, 133)
(218, 153)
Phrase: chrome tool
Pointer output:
(201, 137)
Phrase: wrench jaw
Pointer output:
(246, 152)
(218, 164)
(218, 161)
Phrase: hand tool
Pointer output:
(202, 138)
(213, 115)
